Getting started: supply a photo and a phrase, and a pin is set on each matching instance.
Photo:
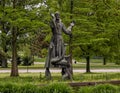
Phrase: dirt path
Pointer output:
(59, 70)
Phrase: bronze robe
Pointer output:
(56, 48)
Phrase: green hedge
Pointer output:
(103, 88)
(57, 88)
(28, 88)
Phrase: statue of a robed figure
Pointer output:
(56, 53)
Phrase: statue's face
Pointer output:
(57, 16)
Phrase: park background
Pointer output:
(25, 35)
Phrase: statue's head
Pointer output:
(57, 15)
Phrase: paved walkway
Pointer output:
(59, 70)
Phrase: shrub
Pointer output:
(117, 62)
(27, 60)
(85, 90)
(8, 88)
(58, 88)
(118, 89)
(106, 88)
(19, 60)
(28, 88)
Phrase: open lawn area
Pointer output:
(38, 78)
(78, 65)
(36, 83)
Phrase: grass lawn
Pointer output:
(79, 65)
(38, 78)
(31, 80)
(37, 59)
(95, 64)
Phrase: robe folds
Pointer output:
(56, 50)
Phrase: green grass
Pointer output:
(31, 78)
(97, 66)
(35, 66)
(38, 78)
(91, 60)
(75, 66)
(30, 88)
(96, 77)
(78, 66)
(37, 59)
(102, 88)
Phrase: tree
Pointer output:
(23, 18)
(30, 22)
(107, 12)
(38, 44)
(93, 31)
(85, 29)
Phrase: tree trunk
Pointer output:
(14, 68)
(104, 61)
(88, 64)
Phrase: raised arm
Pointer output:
(68, 30)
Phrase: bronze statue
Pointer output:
(56, 52)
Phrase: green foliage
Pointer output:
(92, 18)
(27, 60)
(117, 58)
(59, 88)
(28, 88)
(85, 90)
(8, 88)
(96, 31)
(105, 89)
(15, 88)
(96, 77)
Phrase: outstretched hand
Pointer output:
(72, 23)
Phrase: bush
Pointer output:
(28, 88)
(107, 88)
(85, 90)
(19, 60)
(27, 60)
(8, 88)
(117, 62)
(103, 88)
(58, 88)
